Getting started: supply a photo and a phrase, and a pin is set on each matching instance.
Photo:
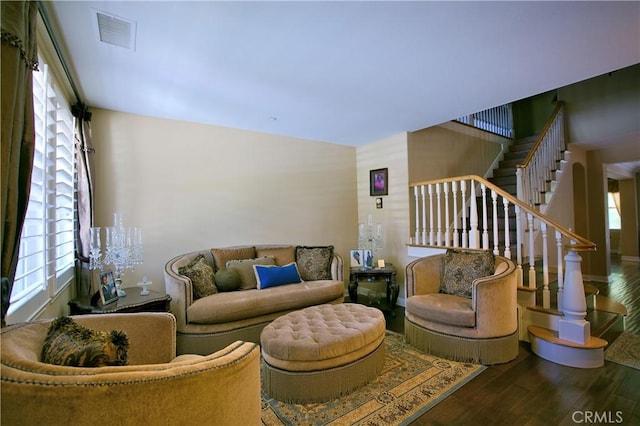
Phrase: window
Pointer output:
(46, 258)
(614, 215)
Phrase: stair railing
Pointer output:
(440, 217)
(498, 120)
(536, 172)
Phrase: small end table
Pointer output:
(132, 302)
(388, 274)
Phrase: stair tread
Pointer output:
(552, 336)
(606, 304)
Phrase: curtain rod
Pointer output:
(47, 23)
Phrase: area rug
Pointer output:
(625, 350)
(410, 384)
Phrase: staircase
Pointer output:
(506, 215)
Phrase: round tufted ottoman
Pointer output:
(322, 352)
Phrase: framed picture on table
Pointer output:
(108, 290)
(379, 182)
(357, 258)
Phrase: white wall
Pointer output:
(193, 186)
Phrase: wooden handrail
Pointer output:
(580, 243)
(541, 136)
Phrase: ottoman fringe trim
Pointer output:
(323, 385)
(479, 351)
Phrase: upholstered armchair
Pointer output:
(473, 321)
(155, 388)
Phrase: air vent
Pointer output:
(116, 31)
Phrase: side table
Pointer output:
(132, 302)
(388, 274)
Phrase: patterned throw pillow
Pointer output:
(245, 269)
(461, 268)
(68, 343)
(314, 263)
(201, 275)
(228, 279)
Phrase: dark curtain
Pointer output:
(19, 59)
(84, 198)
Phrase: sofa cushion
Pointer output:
(201, 275)
(242, 305)
(283, 255)
(462, 267)
(314, 263)
(245, 269)
(68, 343)
(228, 279)
(443, 308)
(222, 255)
(272, 276)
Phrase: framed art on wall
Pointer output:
(379, 182)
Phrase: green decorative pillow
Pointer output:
(245, 269)
(201, 275)
(68, 343)
(461, 268)
(228, 279)
(314, 263)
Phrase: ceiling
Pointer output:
(341, 72)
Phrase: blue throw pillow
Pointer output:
(271, 276)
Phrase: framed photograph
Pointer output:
(357, 258)
(368, 259)
(379, 182)
(108, 291)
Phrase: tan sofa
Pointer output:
(482, 328)
(212, 322)
(155, 388)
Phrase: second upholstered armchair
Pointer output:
(462, 305)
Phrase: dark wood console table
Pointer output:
(388, 274)
(132, 302)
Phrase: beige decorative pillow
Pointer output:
(201, 275)
(68, 343)
(461, 268)
(314, 263)
(245, 269)
(283, 255)
(222, 255)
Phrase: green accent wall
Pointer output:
(531, 114)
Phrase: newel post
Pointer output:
(573, 326)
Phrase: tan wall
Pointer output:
(451, 149)
(629, 220)
(193, 186)
(390, 153)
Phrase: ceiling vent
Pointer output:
(116, 31)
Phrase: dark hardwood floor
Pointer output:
(532, 391)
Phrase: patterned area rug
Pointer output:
(410, 384)
(625, 350)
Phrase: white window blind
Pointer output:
(46, 255)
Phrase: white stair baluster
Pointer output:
(463, 225)
(532, 269)
(474, 233)
(560, 270)
(546, 295)
(430, 191)
(447, 224)
(456, 235)
(439, 217)
(507, 236)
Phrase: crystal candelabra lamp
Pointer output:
(122, 249)
(371, 239)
